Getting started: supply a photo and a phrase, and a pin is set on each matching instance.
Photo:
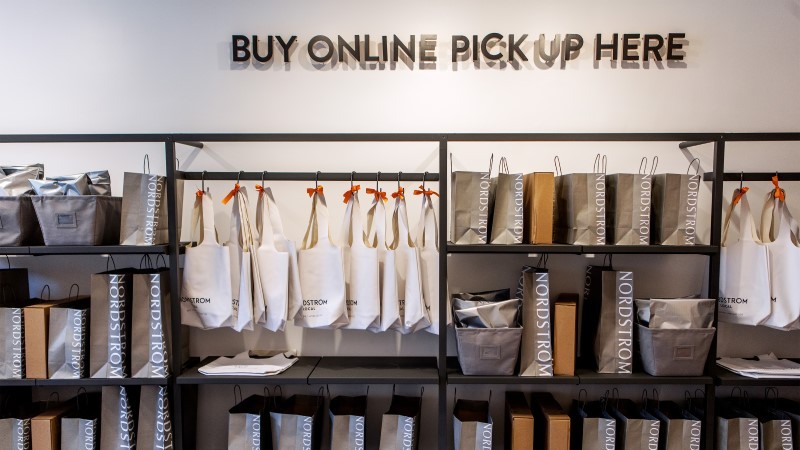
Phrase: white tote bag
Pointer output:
(206, 283)
(427, 243)
(321, 271)
(273, 266)
(414, 316)
(784, 259)
(376, 237)
(240, 247)
(362, 280)
(744, 270)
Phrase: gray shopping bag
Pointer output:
(400, 424)
(472, 425)
(636, 428)
(736, 428)
(580, 206)
(110, 324)
(680, 429)
(297, 423)
(68, 337)
(775, 426)
(248, 422)
(348, 418)
(150, 335)
(471, 204)
(536, 359)
(675, 207)
(630, 199)
(80, 429)
(588, 313)
(613, 346)
(117, 418)
(154, 428)
(12, 343)
(507, 211)
(144, 208)
(15, 433)
(592, 427)
(792, 409)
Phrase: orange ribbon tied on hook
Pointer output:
(780, 194)
(740, 194)
(379, 195)
(426, 192)
(259, 188)
(317, 190)
(231, 194)
(200, 193)
(349, 194)
(400, 193)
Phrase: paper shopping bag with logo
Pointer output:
(580, 206)
(80, 429)
(400, 424)
(629, 203)
(110, 324)
(507, 214)
(613, 346)
(68, 338)
(536, 358)
(413, 313)
(249, 422)
(154, 428)
(680, 429)
(297, 423)
(472, 425)
(636, 428)
(361, 269)
(15, 425)
(12, 343)
(118, 418)
(592, 427)
(151, 318)
(471, 205)
(675, 206)
(144, 208)
(736, 428)
(348, 422)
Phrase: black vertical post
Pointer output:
(443, 311)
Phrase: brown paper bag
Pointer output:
(538, 197)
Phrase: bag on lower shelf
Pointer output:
(154, 427)
(400, 424)
(680, 429)
(117, 418)
(472, 424)
(348, 416)
(15, 430)
(297, 423)
(110, 324)
(248, 424)
(668, 352)
(536, 358)
(68, 338)
(736, 428)
(80, 429)
(592, 426)
(636, 428)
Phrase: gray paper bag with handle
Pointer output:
(636, 428)
(154, 428)
(580, 206)
(471, 205)
(348, 416)
(536, 359)
(629, 201)
(680, 430)
(110, 324)
(144, 208)
(12, 343)
(675, 207)
(80, 429)
(592, 427)
(117, 419)
(400, 424)
(150, 336)
(15, 434)
(67, 342)
(249, 422)
(297, 424)
(613, 346)
(472, 425)
(507, 214)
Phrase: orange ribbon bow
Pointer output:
(379, 195)
(740, 194)
(311, 191)
(200, 193)
(400, 193)
(426, 192)
(779, 193)
(259, 188)
(349, 194)
(230, 194)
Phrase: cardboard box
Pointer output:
(564, 330)
(37, 320)
(519, 422)
(46, 427)
(538, 195)
(552, 433)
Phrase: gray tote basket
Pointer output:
(18, 224)
(79, 220)
(668, 352)
(488, 351)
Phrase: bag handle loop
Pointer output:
(146, 164)
(163, 259)
(41, 294)
(503, 167)
(237, 390)
(111, 260)
(557, 163)
(643, 165)
(691, 163)
(74, 285)
(655, 164)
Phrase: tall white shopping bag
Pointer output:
(744, 270)
(206, 291)
(376, 237)
(362, 280)
(427, 243)
(273, 266)
(321, 271)
(240, 246)
(413, 314)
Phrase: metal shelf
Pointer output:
(591, 377)
(97, 249)
(513, 248)
(17, 382)
(375, 370)
(585, 249)
(723, 377)
(297, 374)
(104, 382)
(455, 376)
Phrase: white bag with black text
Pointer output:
(241, 249)
(784, 259)
(413, 314)
(361, 269)
(273, 267)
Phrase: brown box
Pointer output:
(37, 320)
(519, 422)
(46, 427)
(553, 430)
(538, 191)
(564, 331)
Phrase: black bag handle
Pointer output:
(237, 389)
(81, 394)
(691, 163)
(161, 257)
(77, 290)
(50, 397)
(41, 294)
(275, 398)
(583, 395)
(110, 259)
(643, 165)
(146, 262)
(655, 164)
(543, 259)
(8, 261)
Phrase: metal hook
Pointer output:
(377, 180)
(146, 163)
(263, 174)
(316, 180)
(239, 176)
(399, 174)
(424, 176)
(203, 181)
(352, 175)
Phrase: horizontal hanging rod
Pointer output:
(687, 144)
(191, 144)
(308, 176)
(754, 176)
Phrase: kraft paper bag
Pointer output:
(80, 429)
(736, 428)
(361, 269)
(110, 324)
(630, 201)
(243, 265)
(413, 313)
(154, 428)
(321, 271)
(744, 287)
(376, 236)
(472, 425)
(592, 426)
(400, 424)
(680, 429)
(580, 207)
(471, 206)
(675, 207)
(636, 428)
(519, 422)
(613, 346)
(427, 243)
(782, 255)
(271, 310)
(507, 214)
(348, 422)
(206, 289)
(536, 359)
(151, 324)
(68, 339)
(117, 418)
(12, 343)
(297, 423)
(144, 209)
(538, 203)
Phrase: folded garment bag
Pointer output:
(271, 309)
(376, 236)
(361, 269)
(414, 315)
(206, 291)
(321, 271)
(744, 270)
(427, 243)
(784, 259)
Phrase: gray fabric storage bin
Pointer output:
(18, 224)
(674, 352)
(488, 351)
(78, 220)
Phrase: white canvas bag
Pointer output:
(376, 237)
(361, 268)
(427, 243)
(240, 246)
(273, 266)
(321, 271)
(206, 283)
(744, 270)
(414, 316)
(784, 259)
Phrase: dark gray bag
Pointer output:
(117, 418)
(507, 211)
(666, 352)
(154, 428)
(471, 206)
(297, 423)
(629, 202)
(400, 424)
(792, 409)
(472, 424)
(736, 428)
(18, 222)
(536, 359)
(15, 421)
(348, 417)
(680, 430)
(675, 207)
(613, 346)
(592, 427)
(636, 428)
(580, 206)
(110, 324)
(81, 428)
